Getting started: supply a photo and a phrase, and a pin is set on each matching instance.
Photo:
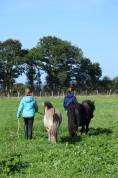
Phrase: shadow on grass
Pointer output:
(71, 140)
(92, 131)
(100, 131)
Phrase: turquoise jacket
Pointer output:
(27, 107)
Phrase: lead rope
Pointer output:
(18, 128)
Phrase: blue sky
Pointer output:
(92, 25)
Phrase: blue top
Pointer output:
(27, 107)
(68, 99)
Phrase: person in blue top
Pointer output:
(69, 98)
(27, 109)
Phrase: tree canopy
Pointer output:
(63, 63)
(57, 57)
(10, 51)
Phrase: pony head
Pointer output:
(90, 106)
(48, 105)
(90, 103)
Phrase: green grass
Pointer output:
(88, 156)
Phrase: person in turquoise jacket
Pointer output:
(27, 108)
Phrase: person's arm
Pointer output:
(20, 109)
(64, 103)
(75, 99)
(36, 106)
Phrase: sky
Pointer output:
(91, 25)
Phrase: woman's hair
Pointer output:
(28, 91)
(71, 89)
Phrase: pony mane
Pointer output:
(48, 104)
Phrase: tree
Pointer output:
(32, 70)
(105, 84)
(88, 73)
(115, 84)
(56, 57)
(10, 51)
(115, 79)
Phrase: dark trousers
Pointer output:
(28, 125)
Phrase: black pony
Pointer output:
(80, 114)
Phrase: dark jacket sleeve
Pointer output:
(64, 103)
(36, 106)
(75, 99)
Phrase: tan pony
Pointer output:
(52, 121)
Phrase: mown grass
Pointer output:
(88, 156)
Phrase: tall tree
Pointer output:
(115, 84)
(10, 51)
(32, 70)
(56, 58)
(88, 73)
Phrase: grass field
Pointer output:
(88, 156)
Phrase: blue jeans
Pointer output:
(28, 125)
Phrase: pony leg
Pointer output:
(72, 125)
(53, 139)
(87, 128)
(49, 135)
(72, 130)
(56, 137)
(77, 117)
(53, 136)
(82, 130)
